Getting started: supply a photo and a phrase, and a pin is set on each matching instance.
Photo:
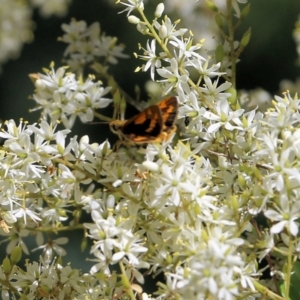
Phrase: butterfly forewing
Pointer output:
(169, 109)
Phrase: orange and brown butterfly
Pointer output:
(155, 124)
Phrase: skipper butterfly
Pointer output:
(153, 125)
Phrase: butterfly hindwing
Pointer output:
(154, 124)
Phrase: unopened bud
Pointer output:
(159, 10)
(211, 5)
(219, 53)
(6, 266)
(16, 255)
(246, 38)
(134, 20)
(163, 31)
(245, 11)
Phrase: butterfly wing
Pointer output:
(145, 126)
(155, 124)
(169, 110)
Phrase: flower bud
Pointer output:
(40, 84)
(233, 98)
(117, 183)
(159, 10)
(246, 38)
(242, 181)
(163, 31)
(219, 53)
(59, 261)
(245, 11)
(134, 20)
(16, 255)
(6, 266)
(105, 148)
(151, 166)
(142, 28)
(219, 20)
(211, 5)
(234, 202)
(83, 244)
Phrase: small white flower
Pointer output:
(186, 49)
(224, 117)
(170, 28)
(52, 7)
(213, 92)
(128, 247)
(174, 184)
(24, 213)
(286, 215)
(153, 61)
(132, 5)
(202, 66)
(16, 28)
(174, 79)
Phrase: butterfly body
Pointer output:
(154, 124)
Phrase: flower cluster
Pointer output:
(63, 97)
(16, 24)
(48, 8)
(16, 28)
(86, 45)
(186, 208)
(296, 34)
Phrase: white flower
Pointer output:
(24, 213)
(236, 7)
(73, 31)
(153, 61)
(103, 262)
(286, 216)
(213, 92)
(224, 117)
(185, 48)
(62, 97)
(16, 237)
(52, 7)
(47, 131)
(108, 48)
(13, 132)
(174, 79)
(132, 5)
(53, 246)
(169, 28)
(202, 66)
(129, 247)
(87, 44)
(16, 28)
(174, 185)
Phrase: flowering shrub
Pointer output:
(204, 209)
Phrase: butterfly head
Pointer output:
(116, 126)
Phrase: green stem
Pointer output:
(287, 277)
(266, 292)
(126, 282)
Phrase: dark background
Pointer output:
(270, 57)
